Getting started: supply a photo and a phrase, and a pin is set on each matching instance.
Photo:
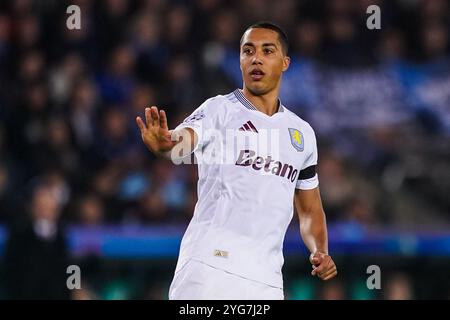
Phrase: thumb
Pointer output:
(316, 258)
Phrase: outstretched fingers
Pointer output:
(163, 120)
(151, 117)
(155, 116)
(141, 124)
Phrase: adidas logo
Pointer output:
(248, 126)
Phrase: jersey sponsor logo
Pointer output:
(248, 158)
(195, 117)
(297, 139)
(248, 126)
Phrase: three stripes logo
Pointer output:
(248, 126)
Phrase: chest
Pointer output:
(265, 143)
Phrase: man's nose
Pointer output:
(257, 58)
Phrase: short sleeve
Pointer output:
(201, 120)
(308, 178)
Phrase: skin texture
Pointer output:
(313, 231)
(261, 50)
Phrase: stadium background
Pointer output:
(70, 152)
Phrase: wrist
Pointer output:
(325, 252)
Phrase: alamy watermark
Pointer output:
(74, 280)
(73, 22)
(374, 280)
(374, 20)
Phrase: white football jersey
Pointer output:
(249, 166)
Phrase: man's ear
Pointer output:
(286, 63)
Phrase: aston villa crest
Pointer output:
(297, 139)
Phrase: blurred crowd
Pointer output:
(378, 100)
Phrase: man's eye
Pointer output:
(267, 51)
(247, 51)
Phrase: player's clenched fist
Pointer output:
(154, 131)
(323, 265)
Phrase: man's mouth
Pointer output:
(257, 74)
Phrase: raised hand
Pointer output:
(155, 132)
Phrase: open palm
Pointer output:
(154, 131)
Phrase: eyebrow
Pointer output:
(264, 44)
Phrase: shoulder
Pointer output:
(215, 103)
(214, 106)
(302, 124)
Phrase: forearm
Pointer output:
(186, 141)
(313, 230)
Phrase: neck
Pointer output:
(266, 103)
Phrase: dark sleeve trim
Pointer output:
(307, 173)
